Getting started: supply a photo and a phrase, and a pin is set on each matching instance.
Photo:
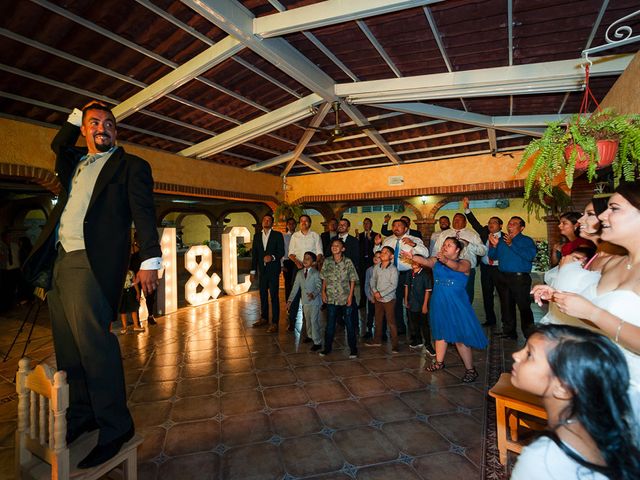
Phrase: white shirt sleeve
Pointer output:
(318, 244)
(75, 117)
(151, 264)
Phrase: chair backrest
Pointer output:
(43, 399)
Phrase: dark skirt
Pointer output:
(128, 302)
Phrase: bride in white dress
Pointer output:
(615, 308)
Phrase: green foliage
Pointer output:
(547, 153)
(286, 210)
(541, 262)
(554, 203)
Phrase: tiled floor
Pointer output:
(215, 398)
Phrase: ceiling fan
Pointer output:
(338, 131)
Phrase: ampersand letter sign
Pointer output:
(200, 276)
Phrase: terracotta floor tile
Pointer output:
(153, 392)
(344, 414)
(243, 429)
(132, 376)
(193, 345)
(365, 386)
(233, 352)
(364, 446)
(380, 365)
(195, 408)
(7, 430)
(236, 382)
(147, 471)
(256, 462)
(314, 373)
(310, 455)
(201, 356)
(160, 374)
(273, 378)
(445, 466)
(153, 443)
(264, 349)
(427, 402)
(414, 437)
(463, 395)
(241, 402)
(193, 370)
(295, 421)
(166, 359)
(387, 408)
(326, 391)
(191, 387)
(202, 466)
(287, 396)
(397, 471)
(461, 429)
(236, 366)
(348, 369)
(150, 414)
(266, 362)
(192, 437)
(401, 381)
(305, 358)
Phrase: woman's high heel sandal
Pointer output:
(470, 375)
(435, 366)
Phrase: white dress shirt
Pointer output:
(301, 243)
(394, 242)
(474, 246)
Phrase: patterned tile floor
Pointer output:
(215, 398)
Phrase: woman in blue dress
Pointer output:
(452, 317)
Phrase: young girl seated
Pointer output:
(583, 378)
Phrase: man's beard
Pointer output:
(101, 147)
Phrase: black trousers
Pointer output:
(289, 271)
(269, 284)
(399, 307)
(419, 330)
(488, 278)
(513, 290)
(295, 303)
(85, 349)
(471, 285)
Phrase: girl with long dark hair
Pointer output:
(583, 380)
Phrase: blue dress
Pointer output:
(452, 316)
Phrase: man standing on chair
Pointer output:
(86, 242)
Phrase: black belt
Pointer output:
(517, 274)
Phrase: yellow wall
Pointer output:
(27, 144)
(623, 96)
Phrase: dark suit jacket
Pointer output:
(386, 232)
(325, 238)
(483, 230)
(275, 247)
(366, 250)
(123, 193)
(352, 251)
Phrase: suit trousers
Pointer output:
(514, 289)
(269, 285)
(488, 277)
(85, 349)
(289, 271)
(399, 305)
(419, 330)
(311, 315)
(295, 303)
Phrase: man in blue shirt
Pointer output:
(515, 253)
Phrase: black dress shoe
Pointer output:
(102, 453)
(74, 432)
(151, 320)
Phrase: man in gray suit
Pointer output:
(82, 257)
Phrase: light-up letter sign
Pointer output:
(200, 276)
(168, 288)
(230, 239)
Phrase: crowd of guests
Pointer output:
(583, 358)
(379, 287)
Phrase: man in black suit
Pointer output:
(488, 267)
(328, 236)
(366, 244)
(82, 255)
(385, 227)
(266, 253)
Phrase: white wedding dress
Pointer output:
(570, 278)
(625, 304)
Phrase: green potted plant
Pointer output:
(286, 210)
(550, 204)
(586, 142)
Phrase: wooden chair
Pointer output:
(514, 409)
(41, 448)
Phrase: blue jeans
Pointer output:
(342, 312)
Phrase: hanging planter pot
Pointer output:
(607, 150)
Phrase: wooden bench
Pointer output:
(512, 404)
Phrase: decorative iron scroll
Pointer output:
(623, 35)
